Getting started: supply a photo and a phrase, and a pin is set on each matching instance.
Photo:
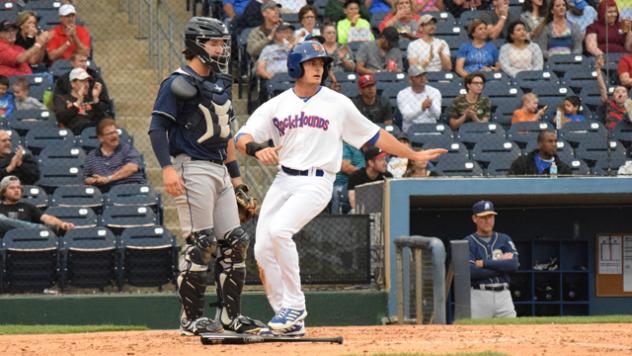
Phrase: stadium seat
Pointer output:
(579, 168)
(81, 217)
(25, 120)
(89, 258)
(552, 103)
(30, 260)
(346, 77)
(35, 195)
(38, 84)
(527, 78)
(441, 77)
(8, 14)
(390, 77)
(78, 196)
(390, 90)
(595, 150)
(453, 166)
(88, 139)
(591, 97)
(148, 256)
(42, 4)
(546, 90)
(449, 90)
(562, 63)
(470, 133)
(442, 16)
(580, 78)
(564, 150)
(419, 134)
(496, 76)
(576, 132)
(494, 148)
(122, 217)
(468, 16)
(62, 154)
(501, 89)
(623, 132)
(454, 41)
(456, 151)
(52, 177)
(392, 129)
(40, 137)
(524, 132)
(134, 195)
(503, 108)
(500, 165)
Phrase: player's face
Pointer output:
(484, 224)
(13, 192)
(314, 69)
(214, 47)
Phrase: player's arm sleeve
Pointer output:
(481, 273)
(510, 265)
(158, 137)
(357, 129)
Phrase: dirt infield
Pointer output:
(559, 340)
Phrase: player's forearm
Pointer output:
(242, 141)
(509, 265)
(160, 145)
(481, 273)
(391, 145)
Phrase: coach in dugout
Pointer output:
(492, 257)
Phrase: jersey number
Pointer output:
(222, 116)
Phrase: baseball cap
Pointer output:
(366, 80)
(66, 10)
(284, 26)
(578, 4)
(317, 38)
(416, 70)
(483, 208)
(426, 19)
(79, 74)
(391, 35)
(4, 183)
(7, 25)
(269, 5)
(372, 152)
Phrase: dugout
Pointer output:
(555, 222)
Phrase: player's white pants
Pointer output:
(290, 203)
(487, 304)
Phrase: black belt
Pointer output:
(490, 287)
(216, 161)
(296, 172)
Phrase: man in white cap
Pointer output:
(76, 111)
(428, 51)
(67, 36)
(419, 103)
(17, 214)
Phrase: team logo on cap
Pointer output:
(317, 47)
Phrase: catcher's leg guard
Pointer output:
(194, 277)
(230, 275)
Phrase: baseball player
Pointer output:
(307, 125)
(492, 257)
(191, 122)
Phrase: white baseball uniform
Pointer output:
(310, 131)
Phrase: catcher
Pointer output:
(191, 122)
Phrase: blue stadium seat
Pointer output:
(497, 76)
(546, 90)
(456, 151)
(577, 132)
(42, 4)
(77, 196)
(503, 108)
(442, 16)
(8, 14)
(149, 256)
(454, 41)
(445, 29)
(441, 77)
(501, 89)
(291, 18)
(38, 84)
(623, 132)
(552, 102)
(88, 139)
(524, 132)
(591, 97)
(354, 46)
(449, 90)
(81, 217)
(580, 78)
(392, 129)
(610, 166)
(25, 120)
(468, 16)
(458, 167)
(89, 258)
(63, 66)
(132, 195)
(349, 89)
(579, 168)
(40, 137)
(30, 260)
(500, 166)
(391, 77)
(562, 63)
(419, 134)
(470, 133)
(390, 90)
(35, 195)
(62, 154)
(346, 77)
(494, 148)
(52, 177)
(527, 78)
(602, 149)
(564, 150)
(122, 217)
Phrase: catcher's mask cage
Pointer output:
(198, 31)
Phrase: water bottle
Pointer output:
(553, 170)
(558, 119)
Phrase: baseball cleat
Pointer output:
(286, 318)
(199, 326)
(296, 330)
(244, 325)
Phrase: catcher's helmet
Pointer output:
(303, 52)
(199, 30)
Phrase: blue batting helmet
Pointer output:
(303, 52)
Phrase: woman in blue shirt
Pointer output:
(478, 55)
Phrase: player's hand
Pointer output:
(479, 263)
(174, 185)
(507, 256)
(428, 155)
(269, 155)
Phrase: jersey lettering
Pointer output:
(302, 120)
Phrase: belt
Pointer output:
(307, 172)
(216, 161)
(492, 287)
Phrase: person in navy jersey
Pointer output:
(493, 256)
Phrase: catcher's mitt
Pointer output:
(247, 204)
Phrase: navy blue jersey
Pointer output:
(496, 270)
(184, 120)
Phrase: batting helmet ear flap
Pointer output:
(294, 67)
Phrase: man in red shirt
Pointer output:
(68, 36)
(14, 60)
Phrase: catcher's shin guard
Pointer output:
(230, 274)
(191, 287)
(194, 276)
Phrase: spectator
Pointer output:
(493, 256)
(273, 58)
(376, 108)
(471, 106)
(67, 37)
(428, 51)
(519, 53)
(18, 214)
(580, 13)
(352, 162)
(341, 55)
(335, 11)
(234, 8)
(7, 100)
(377, 6)
(263, 35)
(402, 18)
(624, 70)
(62, 84)
(380, 55)
(570, 110)
(397, 165)
(28, 31)
(534, 17)
(17, 163)
(292, 6)
(307, 17)
(479, 54)
(499, 19)
(251, 17)
(15, 60)
(560, 35)
(22, 99)
(421, 6)
(419, 103)
(419, 169)
(529, 110)
(75, 111)
(457, 7)
(607, 33)
(374, 171)
(353, 28)
(613, 110)
(538, 161)
(113, 162)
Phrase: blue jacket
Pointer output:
(494, 270)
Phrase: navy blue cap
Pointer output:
(483, 208)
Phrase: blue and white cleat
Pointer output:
(286, 318)
(296, 330)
